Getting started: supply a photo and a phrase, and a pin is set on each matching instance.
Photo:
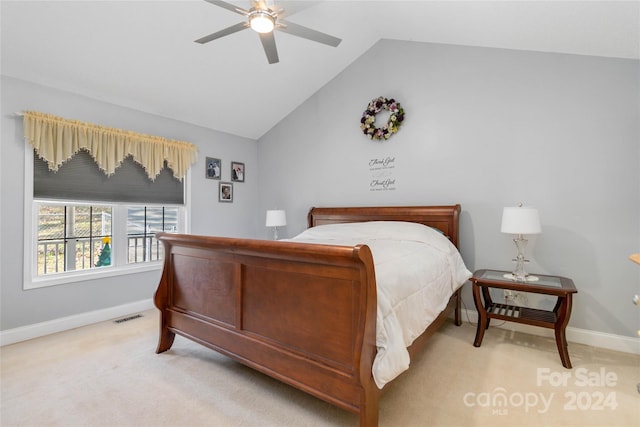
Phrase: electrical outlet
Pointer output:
(508, 296)
(517, 298)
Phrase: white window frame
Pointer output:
(119, 237)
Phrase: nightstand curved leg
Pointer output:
(486, 295)
(563, 312)
(482, 315)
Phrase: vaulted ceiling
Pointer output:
(142, 55)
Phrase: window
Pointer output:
(143, 222)
(99, 195)
(74, 238)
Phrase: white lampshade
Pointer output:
(261, 22)
(520, 220)
(276, 218)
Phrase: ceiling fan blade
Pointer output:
(229, 30)
(229, 6)
(258, 4)
(286, 9)
(307, 33)
(269, 45)
(263, 4)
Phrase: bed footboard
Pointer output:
(303, 314)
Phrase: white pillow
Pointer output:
(374, 230)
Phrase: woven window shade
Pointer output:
(80, 179)
(56, 140)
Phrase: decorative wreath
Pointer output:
(369, 117)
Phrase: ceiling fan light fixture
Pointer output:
(262, 22)
(264, 18)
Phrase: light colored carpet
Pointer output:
(109, 375)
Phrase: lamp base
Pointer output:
(527, 278)
(519, 274)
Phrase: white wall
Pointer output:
(208, 216)
(485, 128)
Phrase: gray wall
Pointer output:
(485, 128)
(208, 216)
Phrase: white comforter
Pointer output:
(417, 270)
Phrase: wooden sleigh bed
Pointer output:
(304, 314)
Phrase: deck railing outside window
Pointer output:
(86, 251)
(70, 237)
(142, 248)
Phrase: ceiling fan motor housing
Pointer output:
(262, 21)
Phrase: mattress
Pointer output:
(417, 271)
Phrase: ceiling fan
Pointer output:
(264, 18)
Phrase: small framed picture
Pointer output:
(237, 172)
(225, 192)
(213, 170)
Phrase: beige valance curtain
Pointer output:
(56, 140)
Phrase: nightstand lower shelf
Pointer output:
(515, 313)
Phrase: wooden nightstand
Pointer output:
(556, 319)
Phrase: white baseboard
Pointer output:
(575, 335)
(23, 333)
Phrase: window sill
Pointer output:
(92, 274)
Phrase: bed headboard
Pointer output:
(444, 218)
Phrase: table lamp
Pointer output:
(275, 219)
(520, 220)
